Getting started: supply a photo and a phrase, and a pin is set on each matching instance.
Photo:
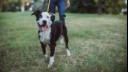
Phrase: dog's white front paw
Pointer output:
(68, 53)
(49, 65)
(51, 61)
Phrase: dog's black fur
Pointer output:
(58, 28)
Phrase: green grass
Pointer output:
(98, 43)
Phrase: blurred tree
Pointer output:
(77, 6)
(114, 6)
(1, 4)
(9, 5)
(110, 6)
(82, 6)
(101, 6)
(40, 5)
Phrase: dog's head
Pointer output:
(43, 19)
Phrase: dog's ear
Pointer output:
(36, 13)
(53, 18)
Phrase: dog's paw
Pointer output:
(49, 65)
(68, 53)
(62, 40)
(45, 57)
(51, 62)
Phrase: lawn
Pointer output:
(98, 43)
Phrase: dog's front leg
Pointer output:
(52, 50)
(44, 50)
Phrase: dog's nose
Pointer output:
(44, 21)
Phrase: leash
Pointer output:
(48, 5)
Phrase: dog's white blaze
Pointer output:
(45, 36)
(51, 61)
(68, 52)
(47, 17)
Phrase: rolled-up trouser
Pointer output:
(61, 9)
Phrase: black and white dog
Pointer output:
(49, 32)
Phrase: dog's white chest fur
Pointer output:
(45, 36)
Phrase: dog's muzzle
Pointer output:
(44, 26)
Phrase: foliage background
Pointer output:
(81, 6)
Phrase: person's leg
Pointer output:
(61, 9)
(52, 8)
